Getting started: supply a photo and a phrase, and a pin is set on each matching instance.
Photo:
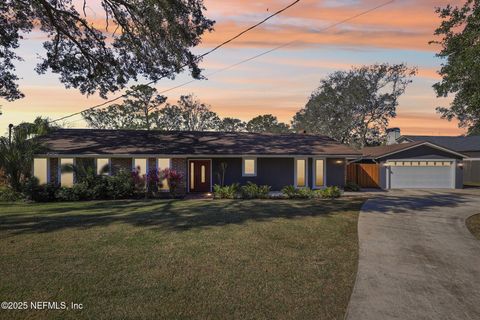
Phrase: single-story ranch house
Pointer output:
(278, 160)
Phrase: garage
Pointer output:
(416, 165)
(420, 174)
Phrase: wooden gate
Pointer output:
(366, 175)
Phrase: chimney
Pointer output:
(392, 135)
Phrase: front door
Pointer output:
(199, 180)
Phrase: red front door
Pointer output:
(199, 175)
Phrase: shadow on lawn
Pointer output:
(398, 202)
(182, 215)
(176, 215)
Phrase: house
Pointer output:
(302, 160)
(467, 145)
(420, 164)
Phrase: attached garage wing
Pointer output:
(421, 174)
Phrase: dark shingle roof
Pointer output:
(457, 143)
(375, 152)
(110, 142)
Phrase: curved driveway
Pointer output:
(417, 258)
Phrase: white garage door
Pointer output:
(421, 174)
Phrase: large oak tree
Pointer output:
(355, 106)
(102, 51)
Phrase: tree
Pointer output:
(267, 123)
(231, 125)
(355, 106)
(197, 116)
(148, 38)
(16, 157)
(169, 118)
(139, 110)
(460, 43)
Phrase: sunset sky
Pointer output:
(281, 82)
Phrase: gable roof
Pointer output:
(457, 143)
(382, 151)
(136, 142)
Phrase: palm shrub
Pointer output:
(225, 192)
(331, 192)
(254, 191)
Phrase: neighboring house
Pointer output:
(467, 145)
(278, 160)
(408, 165)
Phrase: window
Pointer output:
(40, 169)
(202, 174)
(162, 164)
(319, 173)
(249, 167)
(66, 172)
(103, 166)
(301, 172)
(192, 173)
(141, 165)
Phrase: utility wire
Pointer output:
(281, 46)
(251, 58)
(197, 59)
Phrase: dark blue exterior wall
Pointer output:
(336, 172)
(275, 172)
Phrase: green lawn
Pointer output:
(194, 259)
(473, 224)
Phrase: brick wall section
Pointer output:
(54, 163)
(180, 165)
(152, 163)
(121, 163)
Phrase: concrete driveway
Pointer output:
(417, 258)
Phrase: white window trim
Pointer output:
(254, 166)
(295, 171)
(314, 172)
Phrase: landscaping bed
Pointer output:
(473, 224)
(191, 259)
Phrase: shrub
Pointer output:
(225, 192)
(351, 186)
(120, 186)
(254, 191)
(65, 194)
(331, 192)
(39, 193)
(9, 195)
(289, 191)
(298, 193)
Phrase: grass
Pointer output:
(192, 259)
(473, 224)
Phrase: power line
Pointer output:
(198, 58)
(255, 56)
(282, 46)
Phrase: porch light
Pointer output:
(339, 161)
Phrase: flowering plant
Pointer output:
(174, 179)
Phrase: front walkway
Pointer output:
(417, 258)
